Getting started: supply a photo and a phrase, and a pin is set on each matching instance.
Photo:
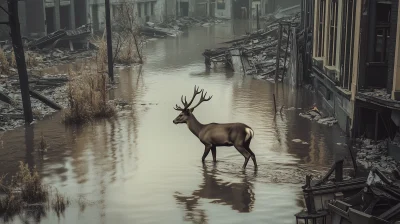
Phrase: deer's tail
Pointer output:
(249, 134)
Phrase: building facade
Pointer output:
(41, 17)
(377, 108)
(144, 11)
(355, 64)
(329, 40)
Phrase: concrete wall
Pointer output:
(225, 13)
(4, 29)
(159, 11)
(170, 8)
(158, 16)
(337, 105)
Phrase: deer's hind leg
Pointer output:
(245, 154)
(214, 153)
(253, 156)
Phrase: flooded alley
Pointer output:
(139, 167)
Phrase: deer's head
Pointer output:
(187, 112)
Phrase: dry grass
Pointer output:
(25, 191)
(8, 61)
(4, 64)
(31, 59)
(13, 60)
(87, 92)
(59, 203)
(43, 146)
(127, 54)
(25, 188)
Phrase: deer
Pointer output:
(215, 135)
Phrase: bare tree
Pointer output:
(129, 41)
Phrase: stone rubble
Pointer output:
(371, 155)
(378, 93)
(174, 27)
(185, 22)
(318, 117)
(12, 116)
(258, 51)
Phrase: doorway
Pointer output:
(184, 8)
(50, 24)
(241, 9)
(95, 18)
(64, 17)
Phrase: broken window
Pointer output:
(152, 8)
(146, 12)
(332, 36)
(382, 31)
(319, 35)
(347, 47)
(140, 10)
(220, 4)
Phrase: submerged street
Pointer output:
(141, 168)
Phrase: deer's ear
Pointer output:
(191, 110)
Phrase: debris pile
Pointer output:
(264, 53)
(173, 27)
(377, 93)
(59, 47)
(185, 22)
(371, 155)
(11, 112)
(315, 115)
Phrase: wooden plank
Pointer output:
(45, 100)
(6, 99)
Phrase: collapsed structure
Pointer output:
(264, 53)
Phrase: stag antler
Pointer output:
(186, 105)
(202, 99)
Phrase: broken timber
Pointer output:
(263, 53)
(45, 100)
(34, 94)
(6, 99)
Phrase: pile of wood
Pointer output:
(264, 53)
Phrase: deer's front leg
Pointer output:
(206, 151)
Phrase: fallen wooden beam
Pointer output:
(6, 99)
(45, 100)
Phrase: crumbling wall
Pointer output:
(159, 12)
(170, 8)
(223, 9)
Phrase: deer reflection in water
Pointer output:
(239, 196)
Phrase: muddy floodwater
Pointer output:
(142, 168)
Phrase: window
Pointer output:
(140, 10)
(146, 12)
(333, 30)
(347, 47)
(220, 4)
(152, 8)
(319, 34)
(382, 31)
